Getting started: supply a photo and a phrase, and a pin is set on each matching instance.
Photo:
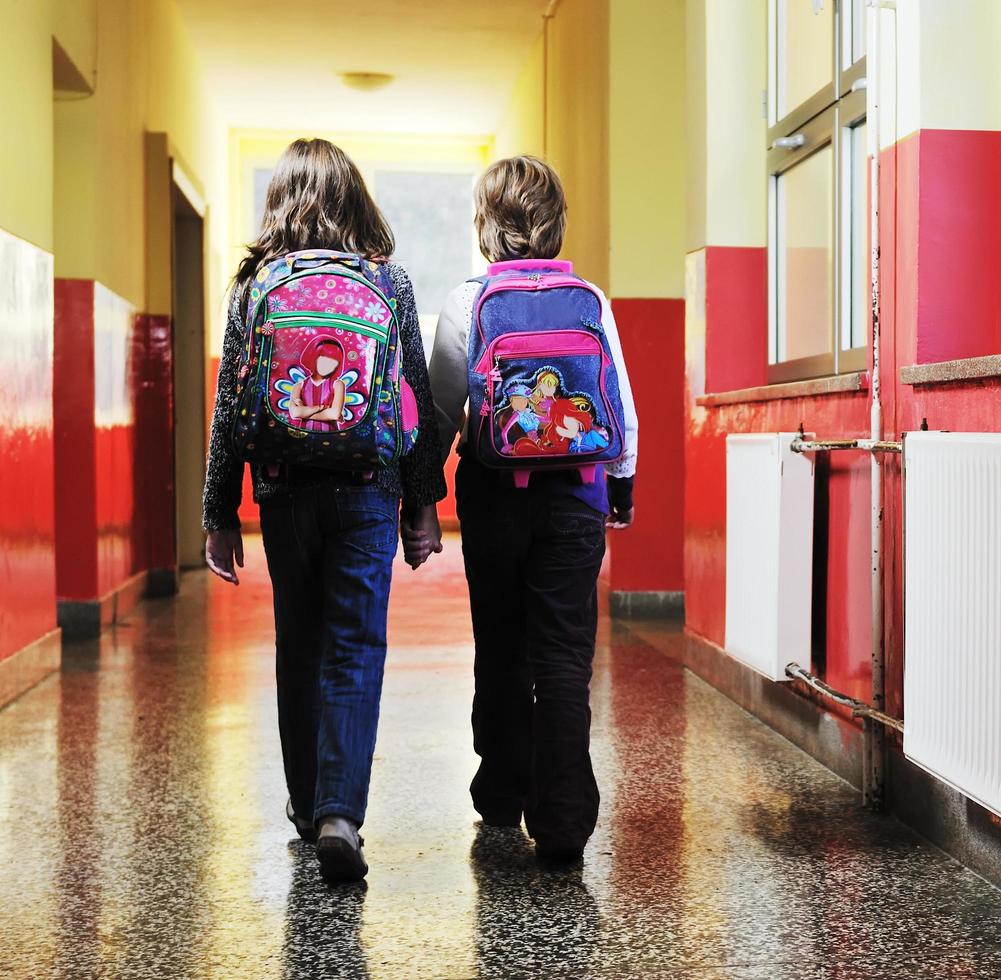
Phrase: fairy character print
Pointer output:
(548, 384)
(567, 424)
(540, 417)
(516, 418)
(591, 437)
(317, 401)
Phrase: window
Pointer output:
(431, 214)
(818, 188)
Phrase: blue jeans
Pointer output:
(330, 553)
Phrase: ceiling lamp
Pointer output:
(366, 81)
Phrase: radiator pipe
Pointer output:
(859, 708)
(803, 445)
(874, 742)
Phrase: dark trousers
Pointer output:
(330, 554)
(532, 563)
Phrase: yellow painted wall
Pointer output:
(176, 94)
(940, 66)
(577, 128)
(99, 193)
(727, 74)
(695, 123)
(74, 26)
(521, 129)
(647, 148)
(147, 80)
(613, 73)
(26, 81)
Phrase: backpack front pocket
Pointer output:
(545, 399)
(322, 372)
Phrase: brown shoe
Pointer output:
(339, 851)
(304, 828)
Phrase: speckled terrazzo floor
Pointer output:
(143, 834)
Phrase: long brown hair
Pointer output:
(316, 199)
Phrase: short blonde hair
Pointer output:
(521, 211)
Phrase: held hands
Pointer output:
(421, 535)
(619, 519)
(223, 552)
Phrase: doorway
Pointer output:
(188, 303)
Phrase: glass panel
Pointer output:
(805, 50)
(431, 215)
(859, 18)
(857, 330)
(804, 292)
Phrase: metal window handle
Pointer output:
(790, 142)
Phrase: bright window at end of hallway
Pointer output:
(818, 188)
(431, 214)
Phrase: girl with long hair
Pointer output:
(330, 537)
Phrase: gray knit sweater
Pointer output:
(418, 478)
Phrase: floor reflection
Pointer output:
(322, 925)
(531, 921)
(142, 827)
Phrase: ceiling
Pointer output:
(276, 65)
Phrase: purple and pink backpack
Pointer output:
(320, 381)
(543, 389)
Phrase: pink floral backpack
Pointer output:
(320, 380)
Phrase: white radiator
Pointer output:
(952, 619)
(769, 552)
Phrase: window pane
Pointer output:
(858, 330)
(804, 293)
(805, 50)
(858, 30)
(431, 215)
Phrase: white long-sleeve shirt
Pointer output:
(450, 380)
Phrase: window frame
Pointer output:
(824, 119)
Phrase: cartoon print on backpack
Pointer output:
(317, 393)
(548, 384)
(591, 436)
(517, 418)
(540, 418)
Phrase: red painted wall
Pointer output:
(648, 556)
(75, 438)
(736, 318)
(113, 434)
(113, 340)
(27, 505)
(940, 248)
(960, 244)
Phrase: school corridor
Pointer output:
(794, 209)
(145, 834)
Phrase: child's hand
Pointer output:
(421, 536)
(619, 519)
(223, 553)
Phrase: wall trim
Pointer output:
(83, 619)
(941, 814)
(835, 384)
(648, 605)
(24, 668)
(944, 372)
